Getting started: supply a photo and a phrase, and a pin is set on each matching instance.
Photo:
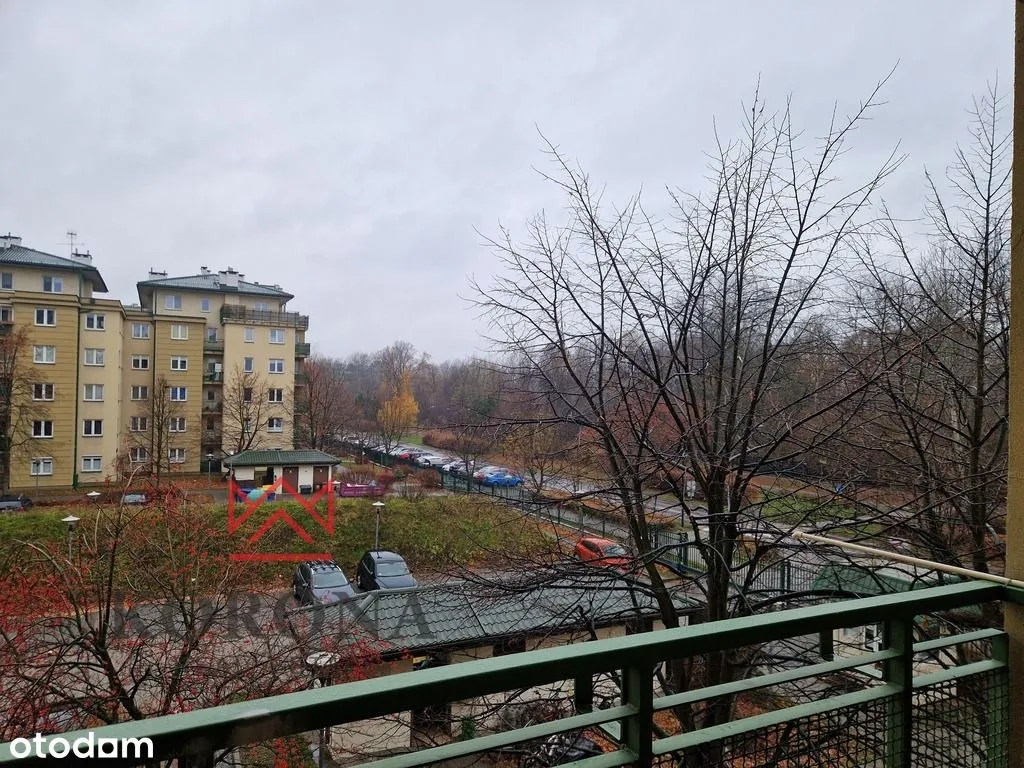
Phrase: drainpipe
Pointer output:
(1014, 613)
(78, 369)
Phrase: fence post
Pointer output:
(637, 729)
(899, 636)
(997, 724)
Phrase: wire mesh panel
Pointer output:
(843, 738)
(963, 722)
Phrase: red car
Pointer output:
(603, 553)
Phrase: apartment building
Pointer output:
(106, 387)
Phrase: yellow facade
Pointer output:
(101, 364)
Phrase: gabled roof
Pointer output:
(19, 255)
(261, 458)
(463, 614)
(211, 283)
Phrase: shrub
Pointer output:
(451, 441)
(427, 478)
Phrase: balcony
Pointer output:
(213, 377)
(234, 313)
(302, 350)
(883, 712)
(215, 407)
(213, 345)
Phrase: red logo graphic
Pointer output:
(241, 508)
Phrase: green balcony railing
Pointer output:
(235, 313)
(213, 345)
(302, 350)
(900, 713)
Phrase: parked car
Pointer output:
(503, 478)
(320, 582)
(20, 502)
(383, 570)
(432, 460)
(459, 467)
(602, 553)
(490, 469)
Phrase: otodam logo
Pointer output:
(241, 508)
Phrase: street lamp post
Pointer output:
(377, 507)
(209, 468)
(70, 521)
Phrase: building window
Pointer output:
(92, 463)
(246, 426)
(46, 316)
(42, 428)
(7, 281)
(873, 637)
(92, 427)
(139, 423)
(140, 362)
(6, 314)
(92, 392)
(94, 357)
(95, 322)
(44, 355)
(42, 391)
(179, 363)
(138, 455)
(275, 395)
(179, 332)
(204, 305)
(53, 285)
(275, 424)
(261, 306)
(276, 365)
(140, 330)
(41, 466)
(172, 302)
(250, 335)
(211, 334)
(210, 396)
(140, 392)
(179, 394)
(247, 365)
(211, 424)
(176, 455)
(277, 335)
(176, 424)
(246, 394)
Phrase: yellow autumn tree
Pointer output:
(397, 413)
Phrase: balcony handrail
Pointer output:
(200, 732)
(268, 316)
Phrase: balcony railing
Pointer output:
(215, 407)
(239, 314)
(213, 377)
(895, 714)
(302, 350)
(213, 345)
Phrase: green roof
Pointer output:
(260, 458)
(211, 283)
(463, 614)
(872, 582)
(19, 255)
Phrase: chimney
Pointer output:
(8, 240)
(228, 278)
(85, 258)
(154, 275)
(204, 270)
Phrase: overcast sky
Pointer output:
(349, 151)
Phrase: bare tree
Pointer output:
(325, 408)
(19, 406)
(673, 345)
(153, 433)
(939, 324)
(246, 405)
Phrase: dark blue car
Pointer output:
(383, 570)
(320, 582)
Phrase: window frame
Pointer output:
(91, 432)
(142, 331)
(7, 281)
(182, 362)
(171, 425)
(144, 392)
(96, 316)
(172, 457)
(102, 356)
(249, 335)
(97, 459)
(178, 390)
(179, 328)
(270, 422)
(173, 301)
(138, 424)
(204, 305)
(248, 365)
(47, 312)
(87, 399)
(272, 361)
(41, 461)
(280, 331)
(42, 428)
(43, 384)
(140, 359)
(37, 347)
(138, 454)
(280, 395)
(56, 284)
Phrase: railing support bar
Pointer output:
(997, 724)
(899, 636)
(583, 694)
(637, 730)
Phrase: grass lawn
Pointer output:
(433, 534)
(792, 508)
